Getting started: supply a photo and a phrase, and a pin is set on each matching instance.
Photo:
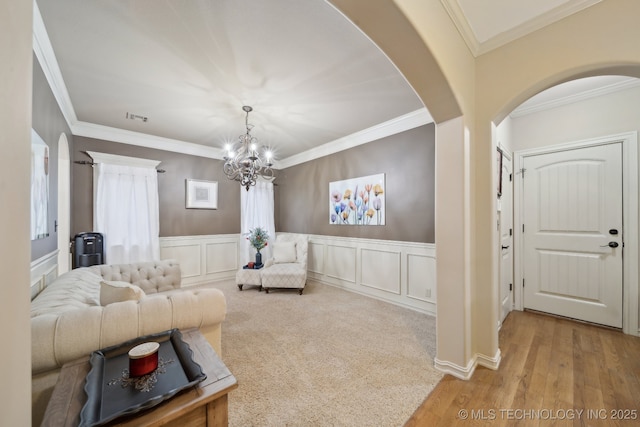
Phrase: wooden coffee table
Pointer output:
(202, 405)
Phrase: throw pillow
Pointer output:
(284, 252)
(114, 291)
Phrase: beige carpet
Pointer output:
(326, 358)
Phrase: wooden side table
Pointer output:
(205, 404)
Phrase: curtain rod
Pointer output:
(85, 162)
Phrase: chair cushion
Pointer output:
(284, 252)
(284, 276)
(114, 291)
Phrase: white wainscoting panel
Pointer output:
(315, 258)
(221, 256)
(189, 256)
(402, 273)
(341, 262)
(203, 258)
(419, 268)
(44, 270)
(380, 269)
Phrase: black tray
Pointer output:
(255, 267)
(177, 371)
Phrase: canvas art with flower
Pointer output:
(357, 201)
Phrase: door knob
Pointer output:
(611, 245)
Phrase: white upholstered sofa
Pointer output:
(68, 320)
(287, 269)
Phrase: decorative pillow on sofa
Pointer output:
(284, 252)
(114, 291)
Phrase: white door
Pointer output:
(572, 239)
(505, 216)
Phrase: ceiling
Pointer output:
(174, 74)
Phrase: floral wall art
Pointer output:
(357, 201)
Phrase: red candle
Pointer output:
(143, 359)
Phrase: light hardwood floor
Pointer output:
(554, 372)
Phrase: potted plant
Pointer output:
(258, 237)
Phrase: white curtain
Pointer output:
(126, 212)
(256, 210)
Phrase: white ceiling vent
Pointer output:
(137, 117)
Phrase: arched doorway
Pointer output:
(458, 348)
(63, 223)
(555, 123)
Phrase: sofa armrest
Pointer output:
(58, 339)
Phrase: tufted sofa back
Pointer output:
(152, 277)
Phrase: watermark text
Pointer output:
(522, 414)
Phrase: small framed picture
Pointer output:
(201, 194)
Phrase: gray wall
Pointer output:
(175, 219)
(49, 123)
(301, 193)
(408, 162)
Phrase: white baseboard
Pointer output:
(466, 372)
(492, 363)
(461, 372)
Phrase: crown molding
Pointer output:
(92, 130)
(462, 24)
(548, 18)
(46, 57)
(391, 127)
(478, 48)
(570, 99)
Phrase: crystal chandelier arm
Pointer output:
(244, 162)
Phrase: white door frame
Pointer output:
(509, 155)
(64, 208)
(630, 190)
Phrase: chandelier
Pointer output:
(244, 162)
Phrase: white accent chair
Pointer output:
(287, 269)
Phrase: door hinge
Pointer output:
(523, 283)
(510, 287)
(511, 232)
(523, 228)
(510, 177)
(522, 172)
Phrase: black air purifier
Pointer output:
(88, 249)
